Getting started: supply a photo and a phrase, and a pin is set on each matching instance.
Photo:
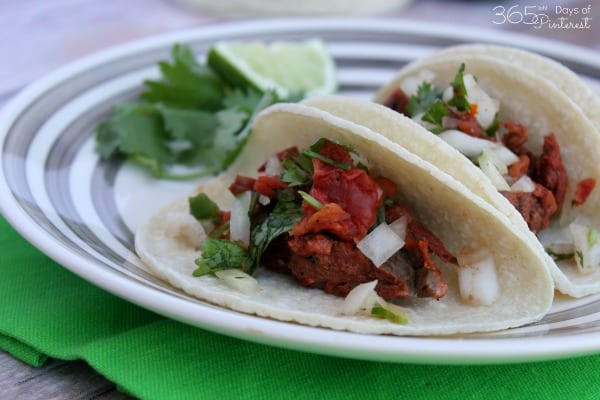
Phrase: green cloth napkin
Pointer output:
(46, 311)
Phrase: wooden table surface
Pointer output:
(39, 36)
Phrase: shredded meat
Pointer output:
(547, 172)
(268, 185)
(420, 243)
(429, 281)
(519, 168)
(397, 101)
(416, 232)
(241, 184)
(337, 267)
(515, 138)
(320, 251)
(583, 190)
(550, 171)
(353, 192)
(536, 207)
(331, 218)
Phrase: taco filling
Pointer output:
(319, 215)
(466, 117)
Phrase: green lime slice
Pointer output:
(286, 67)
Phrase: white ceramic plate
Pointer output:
(82, 212)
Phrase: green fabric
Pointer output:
(47, 311)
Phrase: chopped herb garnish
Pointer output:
(208, 214)
(282, 219)
(379, 311)
(579, 255)
(559, 256)
(459, 98)
(202, 208)
(314, 203)
(327, 160)
(427, 95)
(493, 128)
(297, 171)
(219, 254)
(592, 237)
(435, 115)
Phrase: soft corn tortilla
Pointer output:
(537, 103)
(460, 219)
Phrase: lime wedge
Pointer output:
(286, 67)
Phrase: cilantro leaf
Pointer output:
(297, 171)
(185, 83)
(493, 128)
(427, 95)
(136, 130)
(435, 115)
(197, 126)
(559, 256)
(459, 98)
(310, 200)
(230, 123)
(220, 254)
(379, 311)
(268, 98)
(282, 219)
(244, 100)
(202, 208)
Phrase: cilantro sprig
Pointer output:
(429, 102)
(219, 254)
(459, 98)
(427, 95)
(187, 123)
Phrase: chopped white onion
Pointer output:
(491, 156)
(448, 94)
(399, 227)
(449, 122)
(380, 244)
(477, 277)
(587, 247)
(504, 154)
(468, 145)
(561, 248)
(239, 280)
(491, 166)
(472, 147)
(523, 184)
(239, 223)
(410, 85)
(361, 298)
(273, 166)
(487, 108)
(264, 200)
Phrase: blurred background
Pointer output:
(39, 36)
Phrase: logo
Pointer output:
(544, 16)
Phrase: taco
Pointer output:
(348, 231)
(535, 148)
